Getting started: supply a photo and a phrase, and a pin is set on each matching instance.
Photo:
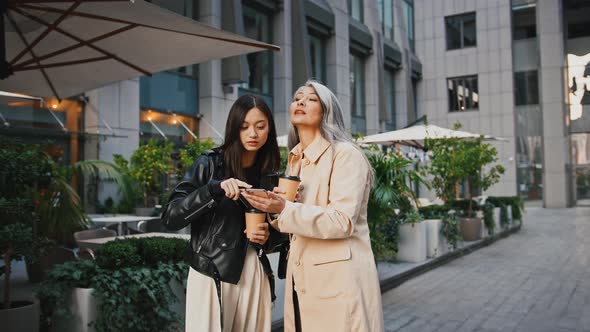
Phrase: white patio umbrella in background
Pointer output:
(415, 136)
(62, 48)
(282, 141)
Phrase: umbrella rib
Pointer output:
(109, 19)
(65, 63)
(46, 32)
(73, 47)
(96, 48)
(24, 40)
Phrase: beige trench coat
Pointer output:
(330, 260)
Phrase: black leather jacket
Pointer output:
(218, 244)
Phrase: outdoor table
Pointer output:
(122, 221)
(95, 243)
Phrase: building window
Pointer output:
(463, 94)
(257, 25)
(355, 9)
(524, 22)
(408, 11)
(156, 125)
(461, 31)
(357, 94)
(390, 120)
(317, 49)
(169, 91)
(526, 88)
(386, 16)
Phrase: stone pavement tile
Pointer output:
(419, 326)
(450, 326)
(568, 322)
(396, 324)
(534, 280)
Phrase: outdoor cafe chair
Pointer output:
(91, 234)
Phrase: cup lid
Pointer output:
(290, 177)
(253, 210)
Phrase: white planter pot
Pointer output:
(84, 309)
(22, 317)
(412, 243)
(497, 219)
(436, 244)
(484, 230)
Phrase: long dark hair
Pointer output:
(268, 158)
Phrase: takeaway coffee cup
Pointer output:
(289, 185)
(253, 218)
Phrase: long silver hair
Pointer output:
(332, 126)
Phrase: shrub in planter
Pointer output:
(434, 211)
(133, 289)
(390, 191)
(190, 152)
(53, 292)
(119, 254)
(412, 238)
(450, 230)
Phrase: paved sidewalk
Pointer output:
(535, 280)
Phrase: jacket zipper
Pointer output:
(208, 204)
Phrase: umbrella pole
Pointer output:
(5, 68)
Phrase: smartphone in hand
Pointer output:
(257, 191)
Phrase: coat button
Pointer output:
(293, 238)
(301, 187)
(301, 291)
(306, 162)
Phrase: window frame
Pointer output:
(382, 13)
(526, 75)
(269, 15)
(361, 10)
(410, 24)
(323, 55)
(464, 78)
(461, 30)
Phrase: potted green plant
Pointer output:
(20, 170)
(453, 161)
(433, 218)
(412, 237)
(391, 191)
(148, 164)
(133, 285)
(190, 152)
(450, 230)
(54, 210)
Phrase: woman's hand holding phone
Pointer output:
(232, 186)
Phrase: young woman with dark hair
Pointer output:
(230, 285)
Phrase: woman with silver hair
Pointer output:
(332, 282)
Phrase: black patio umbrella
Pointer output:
(58, 49)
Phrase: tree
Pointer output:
(454, 160)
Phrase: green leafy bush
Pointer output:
(391, 190)
(454, 160)
(134, 292)
(160, 249)
(434, 211)
(119, 254)
(190, 152)
(450, 230)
